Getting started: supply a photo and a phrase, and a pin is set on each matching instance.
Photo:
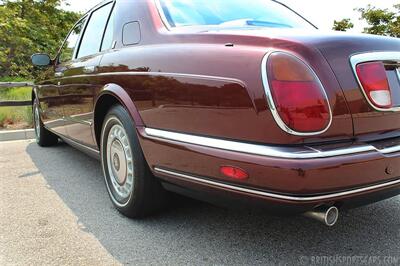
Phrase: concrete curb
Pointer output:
(11, 135)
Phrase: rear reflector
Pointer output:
(375, 84)
(300, 100)
(234, 172)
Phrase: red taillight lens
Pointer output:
(375, 83)
(299, 98)
(234, 172)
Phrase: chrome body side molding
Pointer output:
(83, 148)
(158, 74)
(264, 150)
(270, 194)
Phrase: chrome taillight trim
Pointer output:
(373, 57)
(271, 103)
(304, 152)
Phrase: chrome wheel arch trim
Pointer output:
(270, 194)
(263, 150)
(371, 57)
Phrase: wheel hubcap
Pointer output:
(120, 163)
(37, 121)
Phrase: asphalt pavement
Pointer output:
(54, 210)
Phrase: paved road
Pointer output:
(54, 209)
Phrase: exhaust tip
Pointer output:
(331, 216)
(326, 215)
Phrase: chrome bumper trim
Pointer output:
(264, 150)
(274, 195)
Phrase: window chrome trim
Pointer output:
(398, 73)
(270, 194)
(371, 57)
(264, 150)
(271, 102)
(162, 15)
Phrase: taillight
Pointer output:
(297, 99)
(375, 84)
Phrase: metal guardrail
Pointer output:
(15, 85)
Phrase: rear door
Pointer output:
(78, 79)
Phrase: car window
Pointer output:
(93, 34)
(232, 13)
(67, 52)
(109, 34)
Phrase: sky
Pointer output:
(320, 12)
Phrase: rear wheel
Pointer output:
(133, 189)
(44, 138)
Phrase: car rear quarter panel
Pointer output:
(212, 89)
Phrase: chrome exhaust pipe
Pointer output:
(326, 215)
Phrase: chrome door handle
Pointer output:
(89, 69)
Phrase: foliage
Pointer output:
(343, 25)
(27, 27)
(16, 115)
(382, 21)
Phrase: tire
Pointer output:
(44, 138)
(133, 189)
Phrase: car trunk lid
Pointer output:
(344, 53)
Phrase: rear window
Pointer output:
(231, 13)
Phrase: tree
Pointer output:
(382, 21)
(27, 27)
(343, 25)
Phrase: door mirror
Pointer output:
(41, 60)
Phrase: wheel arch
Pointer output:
(110, 95)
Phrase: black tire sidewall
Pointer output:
(118, 115)
(45, 138)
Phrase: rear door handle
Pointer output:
(89, 69)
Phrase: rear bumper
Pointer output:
(302, 177)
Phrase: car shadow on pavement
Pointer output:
(192, 232)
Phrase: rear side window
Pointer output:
(67, 51)
(109, 34)
(91, 40)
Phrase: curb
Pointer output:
(11, 135)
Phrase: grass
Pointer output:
(12, 79)
(11, 117)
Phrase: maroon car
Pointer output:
(243, 103)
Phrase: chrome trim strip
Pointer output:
(271, 102)
(162, 15)
(274, 195)
(82, 146)
(398, 73)
(178, 75)
(370, 57)
(390, 150)
(264, 150)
